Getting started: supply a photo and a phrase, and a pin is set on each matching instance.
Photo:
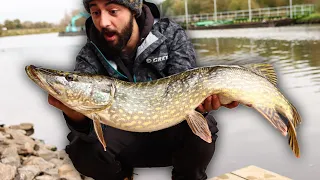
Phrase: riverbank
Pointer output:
(18, 32)
(271, 23)
(312, 19)
(255, 23)
(24, 157)
(283, 33)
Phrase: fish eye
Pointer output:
(69, 77)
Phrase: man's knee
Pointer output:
(199, 174)
(191, 160)
(91, 161)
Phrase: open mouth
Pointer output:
(33, 75)
(110, 36)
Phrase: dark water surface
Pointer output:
(245, 137)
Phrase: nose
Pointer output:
(105, 20)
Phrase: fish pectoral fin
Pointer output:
(98, 129)
(199, 126)
(273, 117)
(265, 70)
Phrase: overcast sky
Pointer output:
(39, 10)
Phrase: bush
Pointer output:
(313, 18)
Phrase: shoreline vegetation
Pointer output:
(271, 13)
(311, 19)
(18, 32)
(256, 22)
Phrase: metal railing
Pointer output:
(256, 14)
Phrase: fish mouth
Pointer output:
(33, 73)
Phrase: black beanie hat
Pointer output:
(133, 5)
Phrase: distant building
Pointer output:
(4, 29)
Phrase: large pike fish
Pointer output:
(159, 104)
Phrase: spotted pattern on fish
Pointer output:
(159, 104)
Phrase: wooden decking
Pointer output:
(250, 173)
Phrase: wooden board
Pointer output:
(227, 176)
(250, 173)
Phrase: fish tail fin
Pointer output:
(274, 118)
(292, 131)
(283, 124)
(296, 116)
(293, 141)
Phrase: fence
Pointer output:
(256, 14)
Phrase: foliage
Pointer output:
(16, 24)
(313, 18)
(16, 32)
(239, 5)
(176, 7)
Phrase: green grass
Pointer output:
(313, 18)
(17, 32)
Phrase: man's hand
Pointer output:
(72, 114)
(213, 103)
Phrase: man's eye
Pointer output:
(95, 13)
(113, 11)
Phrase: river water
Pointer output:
(245, 137)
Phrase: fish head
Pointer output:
(74, 89)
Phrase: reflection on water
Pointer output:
(301, 58)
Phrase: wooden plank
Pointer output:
(250, 173)
(227, 176)
(256, 173)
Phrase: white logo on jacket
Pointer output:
(158, 59)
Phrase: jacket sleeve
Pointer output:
(83, 61)
(182, 55)
(83, 129)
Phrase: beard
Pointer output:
(123, 38)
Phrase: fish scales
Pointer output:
(158, 98)
(156, 105)
(159, 104)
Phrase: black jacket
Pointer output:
(164, 50)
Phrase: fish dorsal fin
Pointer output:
(265, 70)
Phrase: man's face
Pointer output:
(114, 22)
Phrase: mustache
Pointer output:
(105, 30)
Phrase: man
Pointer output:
(125, 42)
